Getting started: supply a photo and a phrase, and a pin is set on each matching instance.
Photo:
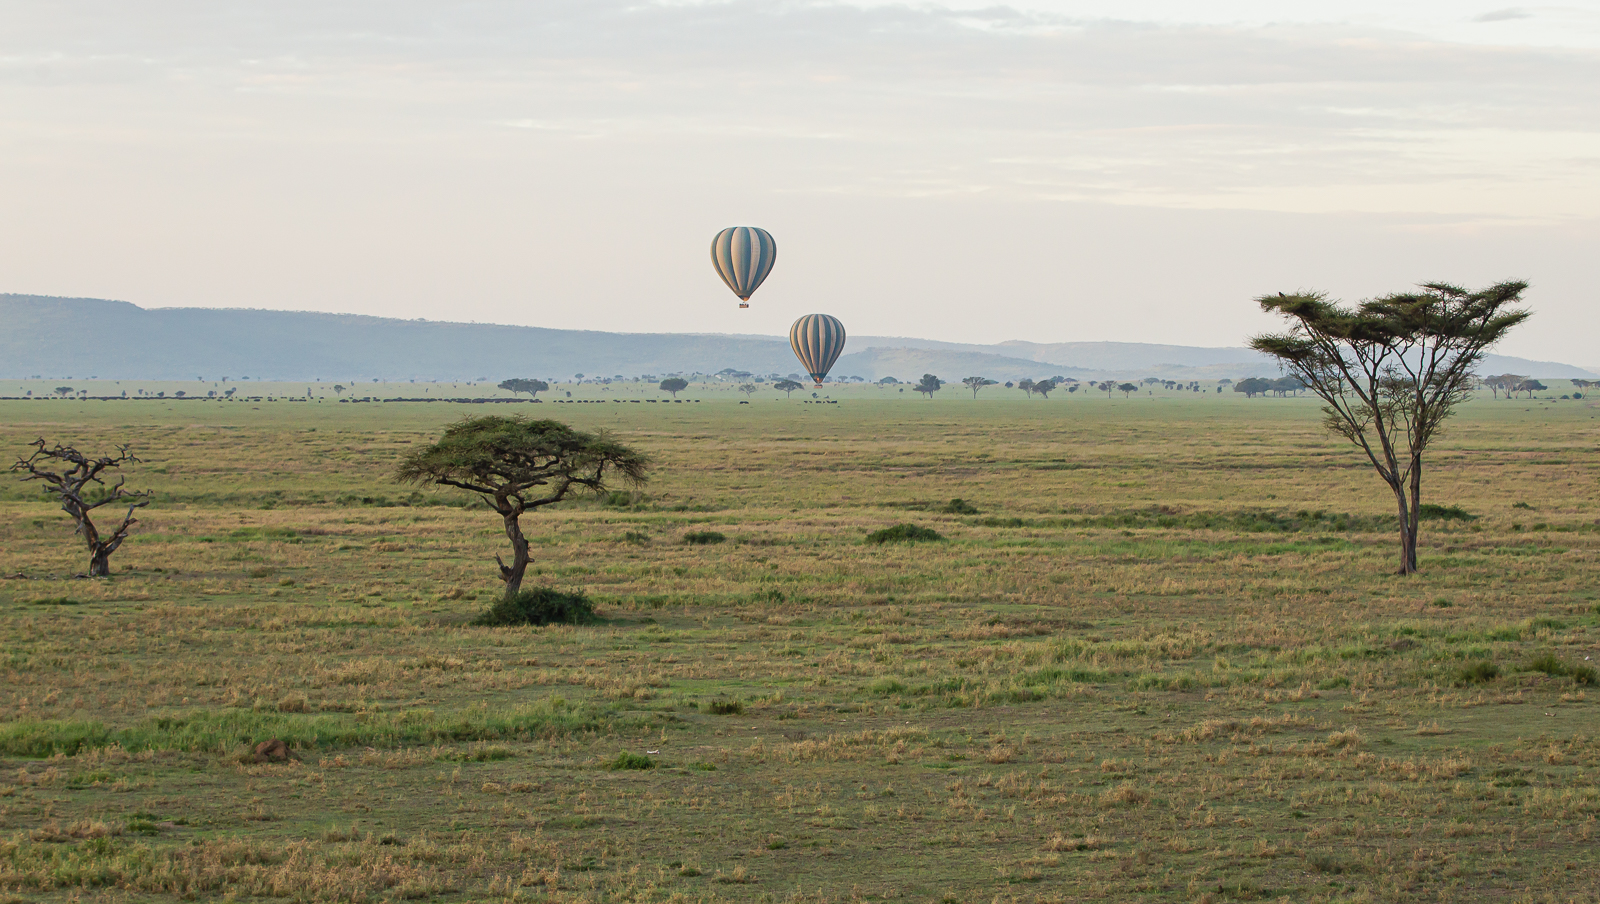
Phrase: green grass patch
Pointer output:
(903, 533)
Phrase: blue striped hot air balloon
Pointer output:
(817, 340)
(743, 256)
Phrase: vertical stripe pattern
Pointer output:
(817, 340)
(743, 256)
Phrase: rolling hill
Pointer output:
(53, 337)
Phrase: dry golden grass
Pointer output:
(1146, 669)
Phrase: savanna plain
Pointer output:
(1158, 655)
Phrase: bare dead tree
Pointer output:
(77, 481)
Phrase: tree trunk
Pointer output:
(1416, 511)
(513, 573)
(99, 562)
(1408, 532)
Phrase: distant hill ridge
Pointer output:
(89, 337)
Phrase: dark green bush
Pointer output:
(903, 533)
(542, 606)
(959, 507)
(723, 707)
(703, 538)
(631, 761)
(1430, 512)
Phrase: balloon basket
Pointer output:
(744, 304)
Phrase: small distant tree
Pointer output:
(929, 385)
(531, 387)
(68, 475)
(1288, 386)
(63, 391)
(1506, 383)
(1392, 370)
(1043, 387)
(515, 465)
(1107, 387)
(229, 391)
(1127, 389)
(976, 383)
(1530, 387)
(1026, 386)
(749, 389)
(1253, 386)
(338, 390)
(886, 381)
(787, 386)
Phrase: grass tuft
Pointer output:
(1477, 673)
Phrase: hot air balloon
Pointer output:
(817, 340)
(743, 256)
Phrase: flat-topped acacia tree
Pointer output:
(515, 465)
(1391, 370)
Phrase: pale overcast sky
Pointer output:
(1052, 170)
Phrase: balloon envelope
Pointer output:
(817, 340)
(743, 256)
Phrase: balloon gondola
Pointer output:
(743, 256)
(817, 340)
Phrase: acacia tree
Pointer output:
(1043, 387)
(1391, 371)
(515, 465)
(1127, 389)
(531, 387)
(976, 383)
(930, 384)
(788, 386)
(1026, 386)
(1529, 386)
(749, 389)
(68, 474)
(674, 385)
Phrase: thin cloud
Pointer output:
(1503, 15)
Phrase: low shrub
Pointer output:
(1430, 512)
(959, 507)
(541, 606)
(903, 533)
(631, 761)
(723, 707)
(1551, 665)
(1477, 673)
(703, 538)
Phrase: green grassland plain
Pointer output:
(1164, 660)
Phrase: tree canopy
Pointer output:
(929, 385)
(674, 385)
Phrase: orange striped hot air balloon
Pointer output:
(817, 340)
(743, 256)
